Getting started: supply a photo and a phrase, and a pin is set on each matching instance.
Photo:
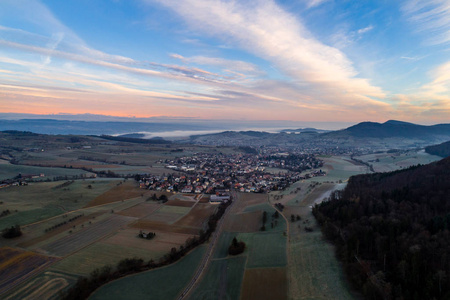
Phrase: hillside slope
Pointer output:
(392, 231)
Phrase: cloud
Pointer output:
(237, 67)
(431, 16)
(365, 29)
(314, 3)
(266, 30)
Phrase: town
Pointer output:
(212, 173)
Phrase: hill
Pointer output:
(394, 129)
(442, 150)
(391, 231)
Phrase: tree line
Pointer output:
(391, 231)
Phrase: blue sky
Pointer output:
(311, 60)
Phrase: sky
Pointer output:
(291, 60)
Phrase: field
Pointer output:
(339, 168)
(9, 171)
(73, 242)
(122, 191)
(245, 222)
(385, 162)
(268, 283)
(265, 250)
(101, 254)
(222, 280)
(16, 265)
(197, 216)
(163, 283)
(44, 286)
(140, 210)
(313, 270)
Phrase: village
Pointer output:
(207, 173)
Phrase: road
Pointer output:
(207, 256)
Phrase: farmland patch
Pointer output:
(265, 250)
(47, 285)
(267, 283)
(198, 215)
(74, 242)
(222, 280)
(15, 265)
(140, 210)
(162, 283)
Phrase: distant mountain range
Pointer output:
(391, 134)
(392, 128)
(388, 135)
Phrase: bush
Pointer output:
(236, 247)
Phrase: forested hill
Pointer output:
(392, 231)
(442, 150)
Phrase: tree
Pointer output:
(236, 247)
(14, 231)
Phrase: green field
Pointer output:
(41, 200)
(8, 171)
(99, 255)
(222, 280)
(264, 250)
(314, 271)
(162, 283)
(29, 216)
(223, 243)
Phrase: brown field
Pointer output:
(162, 242)
(244, 222)
(267, 283)
(249, 199)
(149, 225)
(197, 216)
(204, 199)
(163, 217)
(183, 203)
(78, 240)
(16, 265)
(140, 210)
(127, 190)
(44, 286)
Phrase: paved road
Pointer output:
(208, 254)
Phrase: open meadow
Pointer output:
(163, 283)
(391, 161)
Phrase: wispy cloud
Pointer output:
(264, 29)
(314, 3)
(432, 16)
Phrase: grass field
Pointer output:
(8, 171)
(222, 280)
(222, 244)
(339, 168)
(99, 255)
(264, 250)
(39, 201)
(163, 283)
(385, 162)
(315, 272)
(266, 283)
(73, 242)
